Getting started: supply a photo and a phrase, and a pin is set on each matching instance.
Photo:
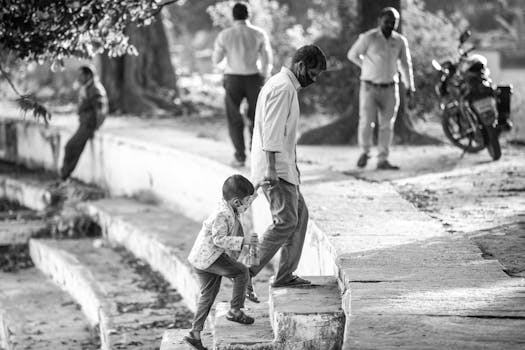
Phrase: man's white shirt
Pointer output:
(243, 44)
(380, 58)
(275, 129)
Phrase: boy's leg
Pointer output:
(238, 272)
(210, 285)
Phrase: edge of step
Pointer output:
(30, 195)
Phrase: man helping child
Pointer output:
(215, 252)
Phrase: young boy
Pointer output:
(215, 252)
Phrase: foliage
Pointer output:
(39, 30)
(430, 37)
(334, 91)
(52, 30)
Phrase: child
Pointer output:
(214, 255)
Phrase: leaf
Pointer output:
(28, 103)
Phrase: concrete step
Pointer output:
(309, 317)
(160, 237)
(14, 232)
(116, 292)
(36, 314)
(229, 335)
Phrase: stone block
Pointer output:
(309, 317)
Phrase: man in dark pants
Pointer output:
(242, 45)
(92, 110)
(274, 159)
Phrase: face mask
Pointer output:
(244, 206)
(304, 78)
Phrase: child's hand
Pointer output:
(252, 239)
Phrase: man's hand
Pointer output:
(271, 176)
(410, 98)
(262, 183)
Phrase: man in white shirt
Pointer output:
(242, 45)
(273, 158)
(379, 53)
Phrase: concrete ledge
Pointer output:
(25, 193)
(310, 314)
(38, 146)
(160, 237)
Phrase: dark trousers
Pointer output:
(290, 220)
(237, 88)
(75, 146)
(210, 283)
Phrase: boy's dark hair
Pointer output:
(311, 56)
(237, 186)
(88, 70)
(240, 11)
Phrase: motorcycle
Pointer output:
(474, 110)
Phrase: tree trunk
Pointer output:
(344, 129)
(145, 83)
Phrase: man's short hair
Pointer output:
(237, 186)
(240, 11)
(88, 70)
(311, 56)
(389, 11)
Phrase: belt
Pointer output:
(379, 85)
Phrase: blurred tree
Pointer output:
(51, 30)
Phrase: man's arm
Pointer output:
(219, 50)
(406, 66)
(357, 51)
(265, 52)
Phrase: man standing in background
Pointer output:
(92, 110)
(242, 45)
(378, 52)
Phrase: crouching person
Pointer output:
(215, 252)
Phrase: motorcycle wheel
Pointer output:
(455, 131)
(491, 137)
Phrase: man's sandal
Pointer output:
(194, 342)
(296, 281)
(241, 318)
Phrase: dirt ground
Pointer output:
(485, 202)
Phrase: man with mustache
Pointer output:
(274, 159)
(379, 53)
